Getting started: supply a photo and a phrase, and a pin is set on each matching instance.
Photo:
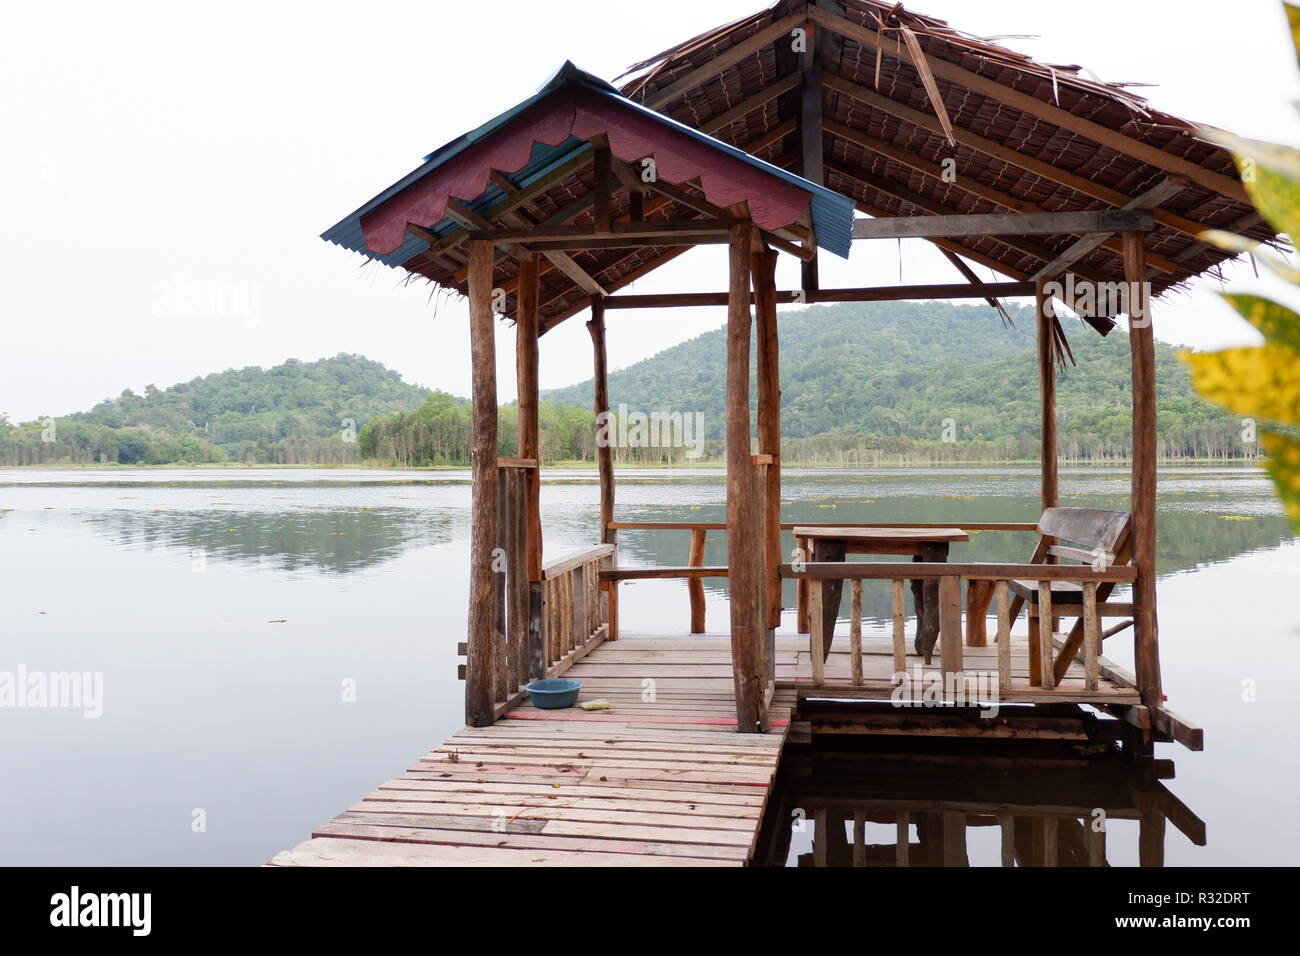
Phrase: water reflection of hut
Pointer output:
(1051, 805)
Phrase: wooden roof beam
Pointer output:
(1011, 157)
(1102, 324)
(671, 229)
(812, 159)
(983, 85)
(1104, 221)
(958, 290)
(1154, 196)
(1023, 246)
(745, 107)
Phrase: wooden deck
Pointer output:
(662, 779)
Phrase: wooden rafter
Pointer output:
(516, 198)
(624, 280)
(971, 186)
(1002, 93)
(722, 61)
(1006, 154)
(561, 260)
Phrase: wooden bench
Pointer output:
(1084, 535)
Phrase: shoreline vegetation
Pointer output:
(892, 384)
(583, 465)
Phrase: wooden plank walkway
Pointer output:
(662, 779)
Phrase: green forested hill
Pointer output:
(291, 400)
(895, 373)
(861, 382)
(294, 413)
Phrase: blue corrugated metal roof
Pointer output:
(832, 213)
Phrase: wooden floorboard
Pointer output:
(661, 779)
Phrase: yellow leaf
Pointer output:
(1293, 21)
(1279, 324)
(1284, 467)
(1274, 186)
(1261, 382)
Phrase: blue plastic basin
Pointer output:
(554, 692)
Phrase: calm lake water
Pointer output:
(274, 644)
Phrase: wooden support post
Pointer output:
(954, 839)
(902, 839)
(950, 643)
(812, 162)
(1047, 392)
(817, 636)
(1151, 839)
(519, 618)
(604, 449)
(1096, 841)
(501, 662)
(900, 612)
(769, 420)
(803, 590)
(526, 369)
(1091, 635)
(1007, 827)
(767, 634)
(1051, 842)
(483, 509)
(1146, 653)
(744, 548)
(1046, 677)
(855, 632)
(695, 586)
(1004, 638)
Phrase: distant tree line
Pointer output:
(66, 441)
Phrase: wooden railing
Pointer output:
(950, 576)
(695, 571)
(574, 607)
(545, 617)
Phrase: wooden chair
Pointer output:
(1083, 535)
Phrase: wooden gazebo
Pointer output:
(765, 135)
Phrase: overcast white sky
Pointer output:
(158, 152)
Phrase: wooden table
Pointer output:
(834, 544)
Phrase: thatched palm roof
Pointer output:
(1025, 136)
(915, 118)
